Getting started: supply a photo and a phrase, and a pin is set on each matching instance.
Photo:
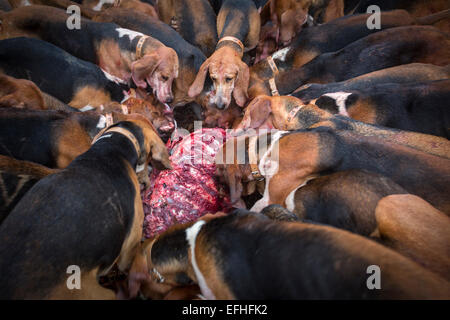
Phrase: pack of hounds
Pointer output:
(356, 101)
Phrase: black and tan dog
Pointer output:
(248, 256)
(54, 138)
(417, 8)
(16, 178)
(194, 20)
(89, 215)
(71, 80)
(289, 113)
(190, 57)
(238, 26)
(288, 160)
(406, 74)
(420, 107)
(401, 45)
(345, 200)
(333, 36)
(123, 53)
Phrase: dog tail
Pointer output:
(433, 18)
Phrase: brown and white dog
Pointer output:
(290, 113)
(247, 256)
(123, 53)
(238, 26)
(287, 161)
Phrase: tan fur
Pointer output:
(70, 143)
(20, 93)
(90, 289)
(210, 269)
(90, 96)
(414, 228)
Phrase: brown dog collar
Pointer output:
(234, 40)
(139, 47)
(272, 65)
(253, 159)
(273, 87)
(293, 113)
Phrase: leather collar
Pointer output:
(139, 47)
(253, 158)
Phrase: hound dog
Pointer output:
(87, 217)
(55, 138)
(330, 37)
(247, 256)
(238, 26)
(123, 53)
(190, 57)
(289, 160)
(289, 113)
(401, 45)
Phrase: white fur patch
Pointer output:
(290, 203)
(191, 236)
(25, 3)
(101, 122)
(87, 108)
(340, 98)
(264, 201)
(140, 168)
(281, 54)
(112, 78)
(100, 4)
(127, 32)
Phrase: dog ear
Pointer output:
(138, 272)
(260, 112)
(159, 156)
(143, 67)
(235, 185)
(240, 89)
(197, 86)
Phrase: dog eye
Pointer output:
(165, 78)
(228, 79)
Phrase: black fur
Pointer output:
(52, 69)
(79, 216)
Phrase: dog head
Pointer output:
(157, 69)
(281, 112)
(159, 114)
(229, 76)
(292, 20)
(233, 169)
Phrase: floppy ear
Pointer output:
(240, 89)
(159, 156)
(143, 67)
(260, 112)
(235, 185)
(197, 86)
(138, 272)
